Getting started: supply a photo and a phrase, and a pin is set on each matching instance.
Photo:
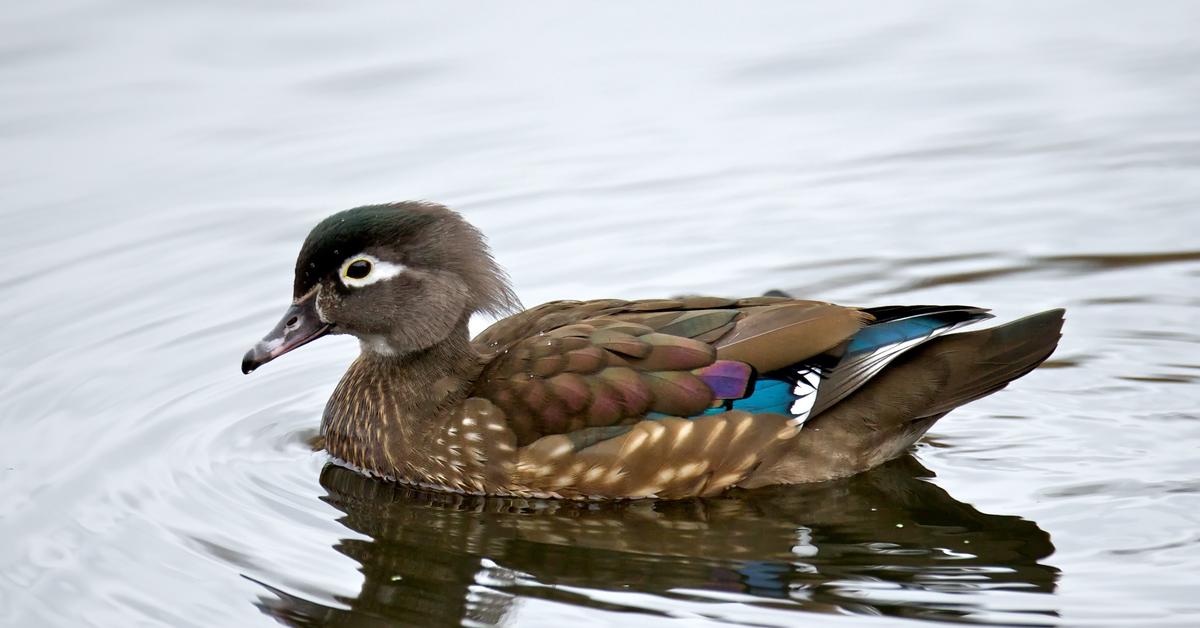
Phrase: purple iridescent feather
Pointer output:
(728, 379)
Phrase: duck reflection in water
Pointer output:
(835, 547)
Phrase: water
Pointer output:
(162, 161)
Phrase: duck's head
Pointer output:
(401, 277)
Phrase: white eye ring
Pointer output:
(380, 270)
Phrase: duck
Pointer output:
(612, 399)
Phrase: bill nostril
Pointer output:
(292, 321)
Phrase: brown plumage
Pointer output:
(611, 398)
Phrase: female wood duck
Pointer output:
(613, 399)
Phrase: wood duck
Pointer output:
(613, 399)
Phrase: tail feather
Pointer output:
(983, 362)
(880, 420)
(895, 330)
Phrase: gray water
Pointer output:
(161, 162)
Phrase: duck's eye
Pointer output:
(364, 269)
(358, 269)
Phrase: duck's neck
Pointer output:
(385, 405)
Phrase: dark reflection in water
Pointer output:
(445, 559)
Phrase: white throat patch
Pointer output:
(376, 344)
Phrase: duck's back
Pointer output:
(690, 396)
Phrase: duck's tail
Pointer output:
(884, 417)
(977, 364)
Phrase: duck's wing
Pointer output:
(588, 369)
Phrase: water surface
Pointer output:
(163, 161)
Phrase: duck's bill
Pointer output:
(299, 326)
